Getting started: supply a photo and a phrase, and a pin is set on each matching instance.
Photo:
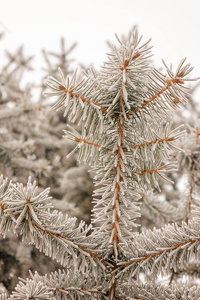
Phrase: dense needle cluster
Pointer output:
(127, 140)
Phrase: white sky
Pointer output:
(173, 25)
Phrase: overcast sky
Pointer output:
(173, 25)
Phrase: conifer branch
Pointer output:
(163, 251)
(128, 143)
(43, 228)
(169, 83)
(87, 142)
(153, 142)
(70, 92)
(149, 172)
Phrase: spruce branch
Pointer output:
(28, 214)
(165, 247)
(124, 84)
(61, 285)
(128, 142)
(157, 291)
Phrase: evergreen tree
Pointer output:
(124, 112)
(31, 144)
